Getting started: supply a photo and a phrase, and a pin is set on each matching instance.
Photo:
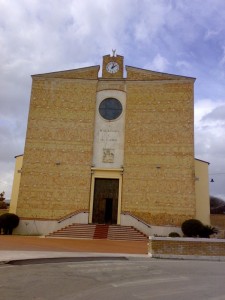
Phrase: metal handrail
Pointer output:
(139, 220)
(70, 215)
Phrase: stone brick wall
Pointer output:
(55, 177)
(178, 247)
(158, 178)
(82, 73)
(158, 183)
(218, 221)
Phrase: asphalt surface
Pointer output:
(111, 278)
(54, 269)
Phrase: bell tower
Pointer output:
(112, 67)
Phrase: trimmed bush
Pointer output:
(174, 234)
(8, 222)
(192, 228)
(195, 228)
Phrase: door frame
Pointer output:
(106, 174)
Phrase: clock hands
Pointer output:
(112, 67)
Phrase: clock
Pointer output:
(112, 67)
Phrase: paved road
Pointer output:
(113, 279)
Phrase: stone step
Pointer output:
(100, 231)
(75, 231)
(126, 233)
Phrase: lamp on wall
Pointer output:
(212, 180)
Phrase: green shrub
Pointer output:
(195, 228)
(192, 227)
(8, 222)
(174, 234)
(158, 235)
(206, 231)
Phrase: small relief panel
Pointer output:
(108, 155)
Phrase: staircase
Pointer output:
(79, 231)
(100, 231)
(117, 232)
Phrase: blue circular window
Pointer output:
(110, 109)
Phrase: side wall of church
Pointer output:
(158, 181)
(55, 177)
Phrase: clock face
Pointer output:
(112, 67)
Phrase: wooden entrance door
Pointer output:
(105, 206)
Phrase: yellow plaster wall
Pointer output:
(202, 192)
(158, 181)
(58, 152)
(16, 184)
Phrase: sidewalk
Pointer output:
(29, 247)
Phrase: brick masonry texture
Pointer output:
(158, 180)
(58, 152)
(218, 220)
(186, 246)
(159, 154)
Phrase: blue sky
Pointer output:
(172, 36)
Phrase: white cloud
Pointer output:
(222, 61)
(204, 107)
(210, 140)
(183, 66)
(166, 36)
(210, 34)
(6, 178)
(160, 63)
(150, 19)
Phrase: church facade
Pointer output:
(108, 146)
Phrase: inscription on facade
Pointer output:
(108, 135)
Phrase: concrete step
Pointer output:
(125, 233)
(75, 231)
(100, 231)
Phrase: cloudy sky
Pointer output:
(174, 36)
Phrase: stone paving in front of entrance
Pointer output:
(22, 247)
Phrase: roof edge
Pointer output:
(160, 73)
(18, 155)
(206, 162)
(83, 69)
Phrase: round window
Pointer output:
(110, 109)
